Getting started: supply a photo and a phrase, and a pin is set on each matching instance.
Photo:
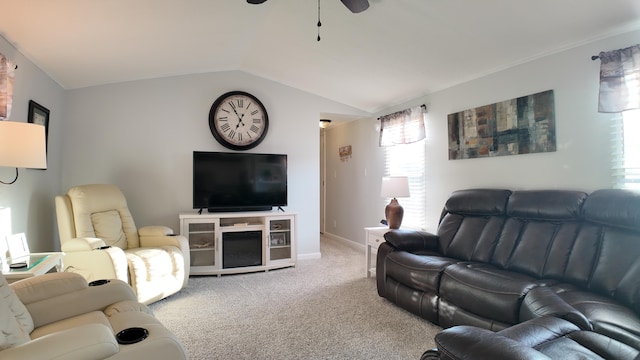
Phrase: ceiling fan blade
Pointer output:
(356, 6)
(256, 1)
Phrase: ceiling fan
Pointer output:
(355, 6)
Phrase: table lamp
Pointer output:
(22, 145)
(394, 187)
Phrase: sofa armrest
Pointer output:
(96, 264)
(93, 341)
(155, 230)
(412, 240)
(471, 343)
(543, 301)
(158, 236)
(82, 244)
(57, 296)
(49, 285)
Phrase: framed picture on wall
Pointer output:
(39, 114)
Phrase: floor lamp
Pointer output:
(22, 145)
(394, 187)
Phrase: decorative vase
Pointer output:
(394, 213)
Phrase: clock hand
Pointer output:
(240, 122)
(238, 116)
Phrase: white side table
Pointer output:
(37, 264)
(374, 236)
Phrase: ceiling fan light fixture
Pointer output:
(256, 1)
(324, 123)
(356, 6)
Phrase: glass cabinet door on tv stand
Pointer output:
(201, 234)
(279, 235)
(239, 242)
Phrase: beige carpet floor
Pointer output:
(321, 309)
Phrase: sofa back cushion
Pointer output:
(15, 321)
(590, 241)
(613, 216)
(539, 232)
(471, 222)
(101, 211)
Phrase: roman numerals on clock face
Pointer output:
(238, 120)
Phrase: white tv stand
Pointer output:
(255, 241)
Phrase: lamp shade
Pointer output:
(22, 145)
(394, 186)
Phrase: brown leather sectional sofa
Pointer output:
(542, 272)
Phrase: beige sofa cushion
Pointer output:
(12, 333)
(89, 200)
(94, 317)
(108, 227)
(15, 321)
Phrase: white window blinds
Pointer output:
(625, 154)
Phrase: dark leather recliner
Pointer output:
(541, 338)
(501, 258)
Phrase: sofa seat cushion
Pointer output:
(559, 339)
(94, 317)
(606, 316)
(586, 345)
(415, 271)
(486, 290)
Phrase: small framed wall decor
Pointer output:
(39, 114)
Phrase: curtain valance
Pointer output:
(619, 80)
(6, 87)
(403, 127)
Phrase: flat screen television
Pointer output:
(239, 181)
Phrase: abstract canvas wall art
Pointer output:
(522, 125)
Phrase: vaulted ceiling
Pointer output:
(395, 51)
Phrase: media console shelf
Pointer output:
(239, 242)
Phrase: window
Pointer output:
(626, 150)
(408, 160)
(402, 137)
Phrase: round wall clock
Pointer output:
(238, 120)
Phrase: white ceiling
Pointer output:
(395, 51)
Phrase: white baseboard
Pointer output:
(309, 256)
(345, 241)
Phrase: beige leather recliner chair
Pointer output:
(59, 316)
(100, 241)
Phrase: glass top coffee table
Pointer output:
(37, 264)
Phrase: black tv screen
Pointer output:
(239, 181)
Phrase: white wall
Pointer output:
(27, 205)
(353, 185)
(582, 161)
(140, 136)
